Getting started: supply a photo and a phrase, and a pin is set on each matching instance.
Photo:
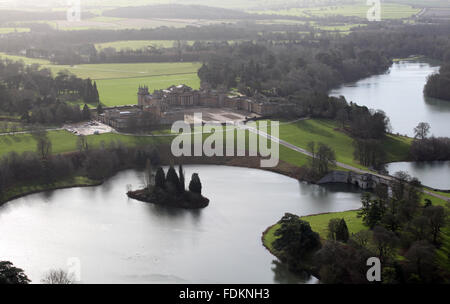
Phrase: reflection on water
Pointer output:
(119, 240)
(399, 93)
(282, 275)
(432, 174)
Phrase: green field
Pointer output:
(388, 11)
(118, 83)
(140, 44)
(7, 30)
(303, 132)
(63, 141)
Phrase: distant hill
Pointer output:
(176, 11)
(18, 15)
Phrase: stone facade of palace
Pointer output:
(184, 96)
(164, 107)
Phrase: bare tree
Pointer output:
(82, 144)
(58, 276)
(422, 130)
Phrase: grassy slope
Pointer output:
(118, 83)
(300, 134)
(303, 132)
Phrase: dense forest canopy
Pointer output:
(438, 85)
(37, 96)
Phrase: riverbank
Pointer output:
(166, 159)
(25, 190)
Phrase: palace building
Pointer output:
(164, 107)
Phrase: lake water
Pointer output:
(432, 174)
(399, 93)
(117, 240)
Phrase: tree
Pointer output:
(325, 157)
(12, 275)
(421, 260)
(82, 144)
(422, 130)
(86, 113)
(182, 179)
(95, 95)
(360, 239)
(43, 143)
(436, 216)
(296, 240)
(55, 277)
(100, 109)
(338, 230)
(384, 241)
(372, 211)
(172, 180)
(195, 185)
(149, 178)
(160, 178)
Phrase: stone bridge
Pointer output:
(364, 181)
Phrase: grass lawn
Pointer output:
(63, 141)
(123, 91)
(302, 132)
(319, 223)
(118, 83)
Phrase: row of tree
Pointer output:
(426, 148)
(173, 182)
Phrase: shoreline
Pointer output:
(51, 188)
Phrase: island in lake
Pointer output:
(170, 190)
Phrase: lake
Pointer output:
(118, 240)
(432, 174)
(399, 93)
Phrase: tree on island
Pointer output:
(172, 180)
(182, 179)
(169, 189)
(195, 185)
(149, 176)
(160, 178)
